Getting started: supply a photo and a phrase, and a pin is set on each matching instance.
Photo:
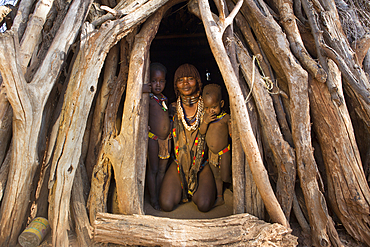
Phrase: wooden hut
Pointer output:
(74, 118)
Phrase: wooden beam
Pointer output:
(235, 230)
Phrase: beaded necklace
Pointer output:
(219, 117)
(180, 112)
(161, 101)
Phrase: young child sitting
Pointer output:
(159, 132)
(215, 126)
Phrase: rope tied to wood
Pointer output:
(269, 85)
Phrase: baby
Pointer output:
(215, 126)
(159, 132)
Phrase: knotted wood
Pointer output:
(235, 230)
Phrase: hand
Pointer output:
(147, 88)
(209, 117)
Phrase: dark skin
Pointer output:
(159, 124)
(217, 135)
(170, 195)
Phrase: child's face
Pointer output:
(212, 106)
(158, 81)
(187, 86)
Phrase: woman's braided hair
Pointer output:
(187, 70)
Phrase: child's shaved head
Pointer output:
(158, 66)
(212, 90)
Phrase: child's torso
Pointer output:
(217, 136)
(159, 121)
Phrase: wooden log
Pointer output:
(235, 230)
(101, 176)
(6, 114)
(284, 155)
(268, 32)
(83, 228)
(348, 191)
(33, 34)
(214, 35)
(288, 22)
(110, 69)
(128, 163)
(238, 170)
(29, 118)
(4, 170)
(81, 90)
(267, 71)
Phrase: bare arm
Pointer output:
(207, 119)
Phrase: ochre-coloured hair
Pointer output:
(187, 70)
(212, 90)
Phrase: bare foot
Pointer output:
(219, 201)
(155, 205)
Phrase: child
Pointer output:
(215, 126)
(159, 132)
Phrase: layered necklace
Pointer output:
(198, 115)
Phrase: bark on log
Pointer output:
(238, 170)
(6, 114)
(267, 71)
(83, 227)
(235, 230)
(81, 89)
(28, 101)
(126, 166)
(284, 155)
(268, 32)
(33, 34)
(214, 35)
(96, 131)
(4, 171)
(348, 192)
(288, 21)
(101, 176)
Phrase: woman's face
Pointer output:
(187, 86)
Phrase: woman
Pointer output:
(189, 176)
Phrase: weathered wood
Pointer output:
(6, 114)
(81, 90)
(110, 69)
(83, 227)
(267, 71)
(28, 101)
(288, 22)
(4, 170)
(128, 163)
(235, 230)
(102, 172)
(276, 47)
(238, 171)
(214, 36)
(33, 34)
(283, 153)
(348, 191)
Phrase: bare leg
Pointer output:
(225, 167)
(219, 185)
(161, 171)
(205, 195)
(170, 193)
(160, 175)
(152, 173)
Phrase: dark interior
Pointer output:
(181, 39)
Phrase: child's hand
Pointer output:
(209, 117)
(147, 88)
